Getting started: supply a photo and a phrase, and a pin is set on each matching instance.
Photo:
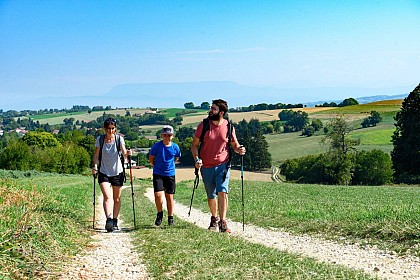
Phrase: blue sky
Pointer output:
(77, 48)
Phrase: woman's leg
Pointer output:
(108, 201)
(116, 191)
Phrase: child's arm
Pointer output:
(152, 160)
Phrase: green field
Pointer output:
(47, 218)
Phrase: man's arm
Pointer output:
(194, 151)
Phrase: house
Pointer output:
(21, 131)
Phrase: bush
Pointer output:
(372, 168)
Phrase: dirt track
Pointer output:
(187, 173)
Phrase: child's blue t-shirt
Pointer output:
(165, 158)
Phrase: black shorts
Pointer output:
(164, 183)
(114, 180)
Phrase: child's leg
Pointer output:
(159, 201)
(170, 203)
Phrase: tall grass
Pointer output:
(386, 216)
(43, 221)
(188, 252)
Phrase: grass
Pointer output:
(292, 145)
(373, 136)
(381, 107)
(46, 218)
(385, 216)
(189, 252)
(43, 221)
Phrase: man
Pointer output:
(213, 160)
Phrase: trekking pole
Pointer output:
(242, 179)
(94, 199)
(196, 181)
(132, 190)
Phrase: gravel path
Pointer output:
(370, 260)
(110, 256)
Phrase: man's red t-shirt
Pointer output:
(214, 151)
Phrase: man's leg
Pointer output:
(212, 206)
(223, 204)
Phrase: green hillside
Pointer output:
(285, 145)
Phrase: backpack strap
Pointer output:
(101, 145)
(229, 137)
(206, 127)
(118, 144)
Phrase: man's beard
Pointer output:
(214, 117)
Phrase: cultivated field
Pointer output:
(262, 116)
(187, 173)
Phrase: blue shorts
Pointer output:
(213, 180)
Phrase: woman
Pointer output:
(109, 150)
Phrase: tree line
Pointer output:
(71, 149)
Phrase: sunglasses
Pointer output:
(110, 121)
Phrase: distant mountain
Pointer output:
(164, 95)
(177, 94)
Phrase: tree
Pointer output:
(189, 105)
(348, 102)
(372, 168)
(16, 156)
(186, 158)
(205, 105)
(40, 139)
(285, 115)
(308, 131)
(340, 151)
(298, 121)
(406, 140)
(251, 136)
(372, 120)
(185, 132)
(317, 124)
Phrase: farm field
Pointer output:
(58, 118)
(285, 145)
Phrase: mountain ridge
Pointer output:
(165, 95)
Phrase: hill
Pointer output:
(167, 95)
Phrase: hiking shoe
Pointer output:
(159, 218)
(171, 222)
(115, 224)
(213, 223)
(109, 224)
(223, 226)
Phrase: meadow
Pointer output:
(47, 218)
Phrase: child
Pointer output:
(163, 156)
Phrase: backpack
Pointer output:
(118, 143)
(206, 127)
